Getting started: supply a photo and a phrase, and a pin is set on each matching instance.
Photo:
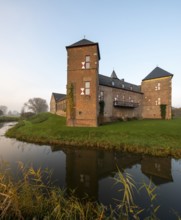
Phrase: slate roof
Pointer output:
(117, 83)
(85, 42)
(113, 75)
(157, 73)
(58, 96)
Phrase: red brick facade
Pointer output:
(157, 92)
(86, 88)
(82, 85)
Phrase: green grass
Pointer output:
(155, 137)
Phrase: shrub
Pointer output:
(163, 110)
(27, 115)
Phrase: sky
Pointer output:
(134, 37)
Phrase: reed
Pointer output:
(126, 206)
(31, 198)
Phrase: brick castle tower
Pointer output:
(157, 90)
(82, 83)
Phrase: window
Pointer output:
(87, 88)
(87, 62)
(101, 95)
(157, 87)
(158, 101)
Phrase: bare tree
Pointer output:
(4, 109)
(36, 105)
(1, 112)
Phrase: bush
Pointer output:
(39, 118)
(163, 110)
(27, 115)
(8, 118)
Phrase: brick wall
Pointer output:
(85, 107)
(156, 92)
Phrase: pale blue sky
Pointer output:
(134, 37)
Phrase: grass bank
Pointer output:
(155, 137)
(8, 118)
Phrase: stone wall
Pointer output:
(61, 108)
(125, 96)
(53, 105)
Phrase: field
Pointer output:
(155, 137)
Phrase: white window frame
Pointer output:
(87, 88)
(101, 95)
(87, 62)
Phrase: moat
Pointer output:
(92, 172)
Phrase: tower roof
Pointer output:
(157, 73)
(113, 75)
(83, 43)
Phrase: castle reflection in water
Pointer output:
(84, 168)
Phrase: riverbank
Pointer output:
(8, 118)
(153, 137)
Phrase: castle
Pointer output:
(93, 98)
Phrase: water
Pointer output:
(93, 172)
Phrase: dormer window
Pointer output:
(87, 62)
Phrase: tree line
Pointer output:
(33, 105)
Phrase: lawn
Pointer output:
(156, 137)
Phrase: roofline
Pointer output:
(121, 80)
(63, 98)
(115, 87)
(86, 45)
(171, 75)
